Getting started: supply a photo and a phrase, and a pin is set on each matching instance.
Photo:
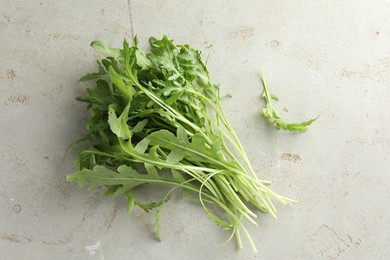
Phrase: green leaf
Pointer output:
(102, 48)
(182, 134)
(94, 76)
(126, 177)
(177, 175)
(151, 170)
(110, 191)
(118, 125)
(142, 60)
(274, 97)
(270, 112)
(130, 201)
(177, 94)
(298, 127)
(142, 146)
(140, 126)
(157, 224)
(216, 149)
(147, 206)
(196, 150)
(102, 74)
(123, 88)
(175, 156)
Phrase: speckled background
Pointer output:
(327, 58)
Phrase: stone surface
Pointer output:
(327, 58)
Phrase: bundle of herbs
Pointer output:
(157, 119)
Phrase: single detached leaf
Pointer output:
(270, 112)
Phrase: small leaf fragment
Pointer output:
(130, 201)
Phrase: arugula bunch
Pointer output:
(156, 119)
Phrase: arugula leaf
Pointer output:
(119, 182)
(102, 48)
(270, 112)
(123, 88)
(118, 125)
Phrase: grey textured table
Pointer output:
(322, 57)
